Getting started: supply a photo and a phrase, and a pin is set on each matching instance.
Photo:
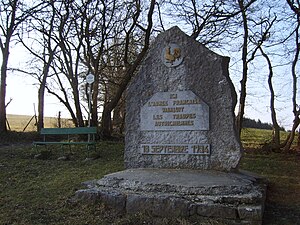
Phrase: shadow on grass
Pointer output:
(35, 191)
(283, 195)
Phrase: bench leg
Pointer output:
(40, 153)
(62, 147)
(89, 148)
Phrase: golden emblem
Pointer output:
(172, 55)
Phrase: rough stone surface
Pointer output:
(233, 197)
(205, 74)
(157, 205)
(217, 211)
(254, 212)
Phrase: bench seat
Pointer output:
(68, 132)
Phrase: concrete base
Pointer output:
(237, 198)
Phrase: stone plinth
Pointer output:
(235, 198)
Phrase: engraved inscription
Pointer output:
(175, 123)
(169, 111)
(175, 149)
(181, 110)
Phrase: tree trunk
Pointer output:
(106, 122)
(242, 102)
(59, 119)
(42, 88)
(298, 141)
(296, 109)
(291, 137)
(276, 131)
(41, 100)
(3, 127)
(80, 122)
(94, 113)
(118, 117)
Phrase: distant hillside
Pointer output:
(19, 122)
(250, 123)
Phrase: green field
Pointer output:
(40, 191)
(257, 138)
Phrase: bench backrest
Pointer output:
(74, 130)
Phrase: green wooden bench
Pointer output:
(69, 133)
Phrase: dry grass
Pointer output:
(19, 122)
(35, 191)
(38, 191)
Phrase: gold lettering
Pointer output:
(184, 116)
(176, 149)
(174, 123)
(187, 102)
(156, 149)
(146, 149)
(158, 103)
(158, 124)
(200, 149)
(169, 149)
(173, 110)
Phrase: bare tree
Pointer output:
(295, 7)
(130, 66)
(13, 14)
(242, 101)
(52, 44)
(275, 144)
(97, 25)
(256, 31)
(247, 55)
(77, 38)
(66, 65)
(207, 20)
(42, 47)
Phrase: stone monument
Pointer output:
(181, 148)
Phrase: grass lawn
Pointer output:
(35, 191)
(283, 174)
